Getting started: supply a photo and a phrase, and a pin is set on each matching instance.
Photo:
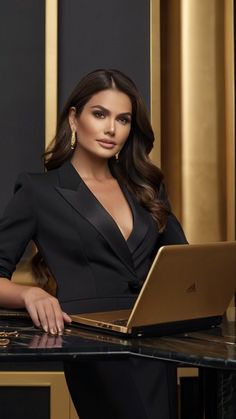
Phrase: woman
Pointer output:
(97, 216)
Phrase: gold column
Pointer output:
(204, 139)
(197, 117)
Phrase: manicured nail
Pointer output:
(45, 328)
(52, 331)
(59, 327)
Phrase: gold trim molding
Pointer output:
(230, 119)
(23, 273)
(51, 71)
(60, 402)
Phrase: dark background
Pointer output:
(22, 90)
(111, 34)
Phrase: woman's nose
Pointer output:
(110, 128)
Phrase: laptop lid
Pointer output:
(188, 287)
(187, 282)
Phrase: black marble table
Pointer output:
(213, 348)
(213, 351)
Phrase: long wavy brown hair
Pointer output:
(134, 168)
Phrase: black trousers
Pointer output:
(128, 388)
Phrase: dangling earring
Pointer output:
(73, 140)
(117, 157)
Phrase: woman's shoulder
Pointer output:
(38, 177)
(35, 180)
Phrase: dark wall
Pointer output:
(22, 90)
(91, 34)
(104, 33)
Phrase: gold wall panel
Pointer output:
(61, 406)
(198, 123)
(203, 158)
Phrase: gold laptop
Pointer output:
(187, 288)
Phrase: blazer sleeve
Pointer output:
(173, 232)
(17, 226)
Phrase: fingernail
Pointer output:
(52, 331)
(59, 327)
(45, 328)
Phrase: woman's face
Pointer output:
(104, 124)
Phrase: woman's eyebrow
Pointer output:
(107, 110)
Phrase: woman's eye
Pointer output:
(99, 114)
(124, 120)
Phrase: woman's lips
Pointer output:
(106, 144)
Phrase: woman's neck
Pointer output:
(91, 167)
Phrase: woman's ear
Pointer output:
(72, 118)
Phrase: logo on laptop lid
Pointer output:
(192, 288)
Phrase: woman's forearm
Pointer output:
(11, 294)
(43, 308)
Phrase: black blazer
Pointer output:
(95, 268)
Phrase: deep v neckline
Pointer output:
(77, 195)
(108, 214)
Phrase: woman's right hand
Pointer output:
(44, 310)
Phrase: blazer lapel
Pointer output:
(142, 221)
(75, 192)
